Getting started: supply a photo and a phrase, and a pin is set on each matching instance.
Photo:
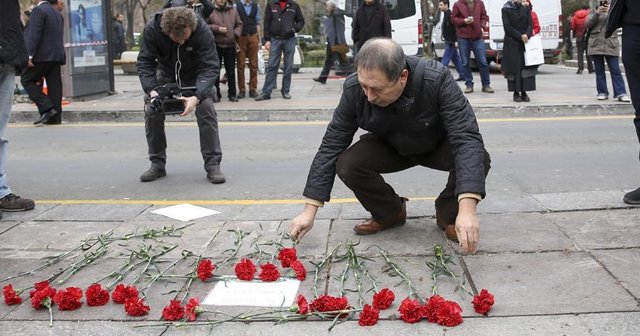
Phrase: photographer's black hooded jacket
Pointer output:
(199, 62)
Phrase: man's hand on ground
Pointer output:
(303, 222)
(467, 225)
(189, 104)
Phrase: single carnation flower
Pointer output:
(205, 269)
(135, 306)
(269, 272)
(11, 296)
(287, 256)
(173, 311)
(299, 270)
(68, 299)
(122, 293)
(96, 295)
(245, 269)
(383, 299)
(326, 303)
(193, 309)
(368, 316)
(410, 311)
(483, 302)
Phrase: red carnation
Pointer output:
(483, 302)
(326, 303)
(205, 269)
(122, 293)
(368, 316)
(245, 269)
(96, 295)
(410, 311)
(287, 256)
(42, 295)
(11, 297)
(429, 310)
(298, 268)
(449, 314)
(68, 299)
(135, 306)
(383, 299)
(192, 309)
(302, 306)
(269, 272)
(173, 311)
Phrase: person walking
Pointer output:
(226, 26)
(517, 23)
(603, 49)
(119, 44)
(248, 45)
(334, 31)
(450, 39)
(579, 27)
(470, 18)
(371, 20)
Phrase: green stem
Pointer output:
(321, 266)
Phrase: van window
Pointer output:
(398, 9)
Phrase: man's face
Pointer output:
(379, 89)
(368, 2)
(181, 39)
(442, 6)
(220, 2)
(120, 17)
(60, 6)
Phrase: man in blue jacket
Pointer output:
(13, 53)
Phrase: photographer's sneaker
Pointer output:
(13, 202)
(215, 176)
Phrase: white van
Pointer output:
(406, 22)
(550, 17)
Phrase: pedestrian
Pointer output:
(579, 27)
(517, 23)
(416, 115)
(535, 23)
(202, 8)
(567, 38)
(13, 53)
(282, 20)
(470, 18)
(248, 45)
(334, 31)
(226, 27)
(626, 14)
(371, 20)
(179, 48)
(119, 44)
(46, 56)
(450, 40)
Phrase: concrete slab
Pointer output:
(6, 226)
(616, 324)
(227, 212)
(623, 264)
(510, 204)
(601, 229)
(92, 212)
(520, 232)
(78, 328)
(547, 283)
(22, 216)
(583, 200)
(563, 325)
(284, 212)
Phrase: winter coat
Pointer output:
(598, 43)
(448, 29)
(418, 122)
(229, 18)
(516, 20)
(119, 43)
(334, 28)
(578, 23)
(471, 31)
(12, 48)
(535, 23)
(378, 25)
(199, 64)
(44, 35)
(280, 23)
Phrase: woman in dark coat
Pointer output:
(516, 20)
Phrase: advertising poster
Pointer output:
(88, 33)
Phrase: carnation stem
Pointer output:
(186, 288)
(50, 316)
(321, 266)
(405, 278)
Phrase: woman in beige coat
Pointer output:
(226, 26)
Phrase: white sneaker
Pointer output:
(624, 98)
(602, 97)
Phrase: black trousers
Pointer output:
(582, 49)
(227, 55)
(31, 80)
(329, 60)
(209, 136)
(361, 165)
(630, 57)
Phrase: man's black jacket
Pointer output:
(377, 25)
(418, 122)
(282, 23)
(198, 65)
(12, 48)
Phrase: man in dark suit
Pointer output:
(371, 20)
(43, 37)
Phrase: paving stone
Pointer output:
(583, 200)
(615, 324)
(6, 226)
(92, 212)
(416, 237)
(601, 229)
(520, 232)
(509, 204)
(623, 264)
(563, 325)
(284, 212)
(227, 212)
(547, 283)
(21, 216)
(78, 328)
(415, 209)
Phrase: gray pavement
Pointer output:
(558, 247)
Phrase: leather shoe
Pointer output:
(253, 93)
(320, 80)
(241, 95)
(516, 97)
(449, 229)
(286, 95)
(525, 97)
(371, 226)
(44, 118)
(233, 98)
(215, 176)
(263, 96)
(153, 173)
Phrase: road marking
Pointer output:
(208, 202)
(312, 123)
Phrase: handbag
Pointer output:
(533, 53)
(340, 49)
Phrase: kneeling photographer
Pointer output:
(177, 66)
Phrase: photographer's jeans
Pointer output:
(278, 46)
(7, 82)
(209, 137)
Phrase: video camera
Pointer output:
(167, 101)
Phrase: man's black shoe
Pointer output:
(253, 93)
(263, 96)
(233, 98)
(44, 118)
(241, 95)
(320, 80)
(579, 72)
(214, 175)
(14, 202)
(632, 197)
(153, 173)
(286, 95)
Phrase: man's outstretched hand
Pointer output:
(467, 225)
(303, 222)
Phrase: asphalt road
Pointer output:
(271, 160)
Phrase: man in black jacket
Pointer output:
(178, 47)
(415, 115)
(282, 20)
(46, 56)
(450, 39)
(13, 53)
(371, 20)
